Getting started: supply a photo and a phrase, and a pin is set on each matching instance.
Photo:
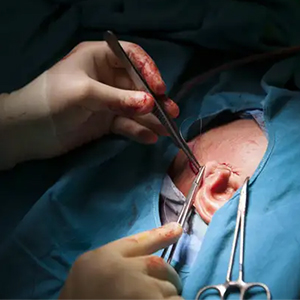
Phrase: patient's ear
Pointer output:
(219, 185)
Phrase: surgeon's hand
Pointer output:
(124, 269)
(86, 95)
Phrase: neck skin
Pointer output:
(230, 153)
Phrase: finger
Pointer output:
(122, 76)
(143, 62)
(148, 69)
(156, 267)
(121, 80)
(115, 76)
(151, 122)
(133, 130)
(148, 242)
(166, 288)
(170, 106)
(119, 101)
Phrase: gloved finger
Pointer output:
(170, 106)
(158, 268)
(151, 122)
(153, 76)
(125, 102)
(133, 130)
(148, 242)
(120, 79)
(166, 288)
(143, 62)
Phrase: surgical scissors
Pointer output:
(186, 211)
(240, 284)
(159, 111)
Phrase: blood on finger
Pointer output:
(139, 103)
(155, 262)
(170, 234)
(164, 235)
(171, 107)
(148, 69)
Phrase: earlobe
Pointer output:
(217, 188)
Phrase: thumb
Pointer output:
(149, 242)
(124, 102)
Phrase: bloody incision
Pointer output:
(231, 169)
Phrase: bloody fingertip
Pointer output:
(160, 88)
(145, 64)
(171, 107)
(138, 103)
(155, 262)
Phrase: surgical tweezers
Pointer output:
(186, 211)
(159, 110)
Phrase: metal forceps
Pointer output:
(240, 284)
(185, 212)
(159, 110)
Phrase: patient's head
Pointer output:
(230, 152)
